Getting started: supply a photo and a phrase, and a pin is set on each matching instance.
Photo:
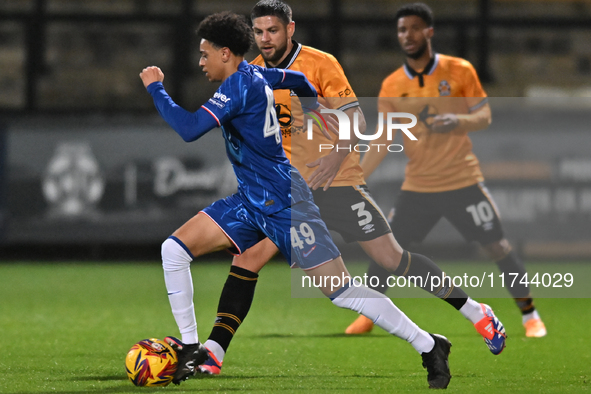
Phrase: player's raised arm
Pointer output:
(190, 126)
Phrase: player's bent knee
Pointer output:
(250, 261)
(498, 249)
(175, 256)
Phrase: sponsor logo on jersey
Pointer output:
(345, 93)
(216, 103)
(444, 88)
(222, 97)
(368, 228)
(285, 119)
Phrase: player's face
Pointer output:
(211, 61)
(414, 35)
(272, 37)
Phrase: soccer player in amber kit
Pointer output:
(443, 177)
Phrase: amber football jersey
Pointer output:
(326, 74)
(437, 162)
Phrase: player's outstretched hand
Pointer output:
(444, 123)
(151, 74)
(327, 168)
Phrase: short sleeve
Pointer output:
(334, 84)
(472, 88)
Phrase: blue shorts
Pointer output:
(298, 231)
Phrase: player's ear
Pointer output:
(226, 54)
(290, 29)
(430, 32)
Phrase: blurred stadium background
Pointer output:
(88, 170)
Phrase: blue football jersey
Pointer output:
(244, 107)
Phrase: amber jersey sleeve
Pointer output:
(326, 74)
(437, 162)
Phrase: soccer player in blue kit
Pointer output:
(272, 200)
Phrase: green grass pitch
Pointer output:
(66, 329)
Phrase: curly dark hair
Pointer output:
(272, 8)
(227, 29)
(421, 10)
